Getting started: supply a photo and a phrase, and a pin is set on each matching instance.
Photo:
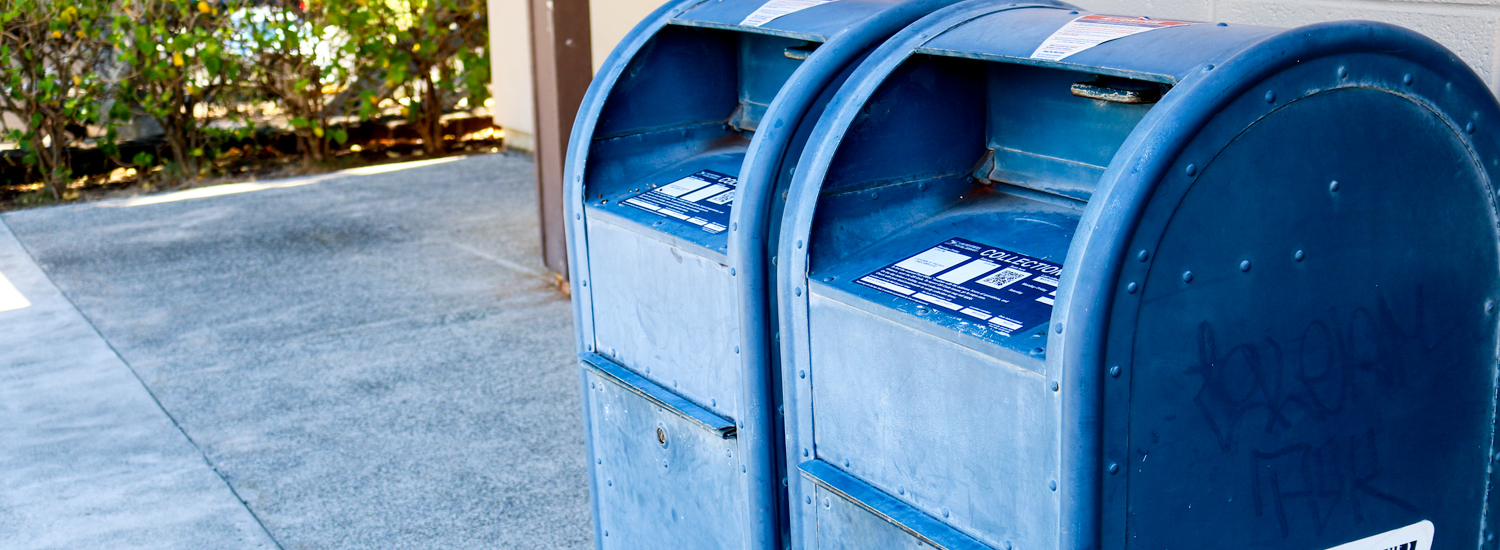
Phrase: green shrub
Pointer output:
(51, 54)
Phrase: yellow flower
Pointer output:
(416, 47)
(56, 34)
(203, 6)
(318, 132)
(77, 80)
(177, 59)
(82, 34)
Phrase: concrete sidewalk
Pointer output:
(369, 359)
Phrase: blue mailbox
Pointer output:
(681, 148)
(1063, 280)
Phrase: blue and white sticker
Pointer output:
(1417, 536)
(1010, 292)
(776, 8)
(702, 199)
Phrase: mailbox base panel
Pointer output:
(843, 525)
(660, 482)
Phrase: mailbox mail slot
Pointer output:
(674, 161)
(1193, 286)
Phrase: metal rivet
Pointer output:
(1114, 372)
(591, 385)
(1343, 73)
(802, 374)
(589, 348)
(945, 511)
(798, 291)
(1333, 186)
(1052, 484)
(610, 483)
(742, 469)
(1406, 79)
(736, 349)
(606, 533)
(1223, 24)
(1490, 537)
(921, 310)
(584, 283)
(1143, 255)
(827, 503)
(1270, 96)
(577, 216)
(901, 489)
(1245, 266)
(1208, 67)
(734, 226)
(1187, 276)
(874, 195)
(1299, 255)
(598, 461)
(1056, 386)
(1069, 13)
(1058, 328)
(713, 402)
(1192, 170)
(731, 272)
(922, 186)
(846, 463)
(1007, 543)
(1469, 127)
(799, 244)
(809, 499)
(666, 464)
(1037, 352)
(1114, 467)
(1489, 306)
(804, 453)
(1130, 288)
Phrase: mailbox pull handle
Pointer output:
(801, 53)
(659, 396)
(1117, 90)
(916, 523)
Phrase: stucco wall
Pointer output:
(1471, 29)
(510, 56)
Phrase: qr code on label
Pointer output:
(1004, 278)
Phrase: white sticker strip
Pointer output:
(1092, 30)
(1417, 536)
(682, 187)
(705, 192)
(777, 8)
(893, 288)
(936, 300)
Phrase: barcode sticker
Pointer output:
(1016, 298)
(1004, 278)
(777, 8)
(1417, 536)
(703, 199)
(1088, 31)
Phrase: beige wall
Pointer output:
(510, 56)
(611, 19)
(1470, 28)
(510, 72)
